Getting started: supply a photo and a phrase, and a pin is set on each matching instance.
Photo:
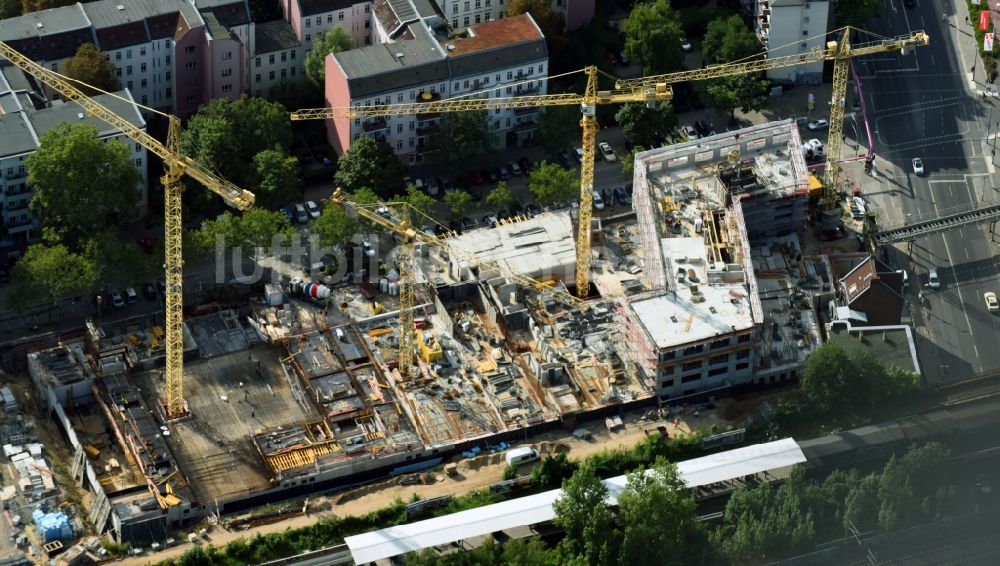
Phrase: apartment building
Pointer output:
(24, 119)
(171, 54)
(419, 62)
(278, 56)
(787, 27)
(310, 18)
(463, 13)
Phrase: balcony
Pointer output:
(428, 129)
(15, 173)
(374, 125)
(14, 191)
(13, 206)
(19, 225)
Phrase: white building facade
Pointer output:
(788, 27)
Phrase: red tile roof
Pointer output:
(497, 33)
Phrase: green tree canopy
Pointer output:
(653, 34)
(82, 183)
(277, 178)
(857, 13)
(253, 231)
(658, 517)
(729, 39)
(548, 20)
(336, 40)
(582, 511)
(28, 6)
(50, 274)
(643, 124)
(628, 161)
(746, 92)
(335, 226)
(91, 66)
(460, 136)
(500, 196)
(910, 490)
(369, 163)
(419, 201)
(120, 260)
(559, 129)
(459, 202)
(10, 9)
(551, 184)
(861, 508)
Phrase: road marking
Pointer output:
(951, 191)
(958, 288)
(976, 349)
(967, 256)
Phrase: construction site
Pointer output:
(306, 387)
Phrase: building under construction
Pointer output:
(297, 390)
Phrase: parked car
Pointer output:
(818, 125)
(623, 59)
(446, 184)
(301, 216)
(367, 248)
(918, 166)
(685, 44)
(598, 201)
(468, 223)
(621, 196)
(531, 209)
(606, 152)
(690, 132)
(432, 187)
(504, 172)
(608, 195)
(490, 219)
(933, 281)
(515, 169)
(149, 291)
(578, 153)
(525, 164)
(116, 299)
(288, 213)
(704, 128)
(493, 175)
(312, 208)
(565, 160)
(455, 226)
(131, 297)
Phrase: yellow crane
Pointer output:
(176, 165)
(643, 89)
(588, 103)
(837, 51)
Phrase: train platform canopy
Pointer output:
(534, 509)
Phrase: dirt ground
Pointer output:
(474, 473)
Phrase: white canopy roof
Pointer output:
(537, 508)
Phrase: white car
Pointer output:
(366, 246)
(933, 281)
(991, 301)
(607, 152)
(598, 200)
(918, 166)
(685, 44)
(819, 125)
(690, 132)
(312, 208)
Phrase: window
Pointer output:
(128, 53)
(329, 18)
(138, 147)
(256, 78)
(719, 344)
(270, 75)
(510, 75)
(227, 55)
(169, 92)
(805, 20)
(466, 6)
(189, 49)
(292, 71)
(340, 15)
(308, 23)
(667, 355)
(257, 62)
(717, 371)
(466, 85)
(283, 73)
(454, 8)
(368, 24)
(190, 65)
(479, 3)
(478, 19)
(743, 365)
(541, 68)
(167, 74)
(143, 83)
(454, 22)
(227, 73)
(465, 21)
(319, 20)
(128, 85)
(308, 38)
(118, 56)
(744, 338)
(690, 378)
(142, 67)
(399, 144)
(742, 354)
(128, 70)
(227, 87)
(688, 366)
(142, 51)
(167, 59)
(805, 32)
(118, 72)
(292, 56)
(190, 82)
(411, 142)
(489, 16)
(694, 350)
(270, 58)
(669, 370)
(138, 162)
(666, 383)
(720, 359)
(284, 56)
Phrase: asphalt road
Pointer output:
(919, 105)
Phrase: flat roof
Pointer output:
(62, 112)
(495, 34)
(674, 319)
(892, 344)
(541, 245)
(533, 509)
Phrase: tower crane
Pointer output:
(176, 165)
(840, 52)
(588, 103)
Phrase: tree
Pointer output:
(335, 227)
(50, 273)
(460, 136)
(121, 260)
(729, 39)
(551, 184)
(253, 231)
(559, 128)
(628, 163)
(861, 508)
(420, 201)
(910, 491)
(28, 6)
(658, 517)
(582, 511)
(500, 196)
(369, 163)
(210, 139)
(336, 40)
(459, 202)
(644, 124)
(10, 9)
(549, 21)
(260, 124)
(91, 66)
(81, 182)
(553, 470)
(856, 13)
(746, 92)
(277, 178)
(653, 34)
